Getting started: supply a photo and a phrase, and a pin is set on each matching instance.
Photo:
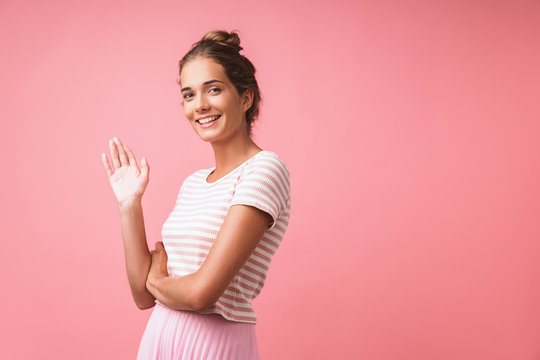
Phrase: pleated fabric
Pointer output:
(186, 335)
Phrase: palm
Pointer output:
(126, 179)
(127, 182)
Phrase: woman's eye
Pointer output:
(187, 95)
(215, 90)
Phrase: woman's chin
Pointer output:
(207, 137)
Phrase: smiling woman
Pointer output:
(226, 225)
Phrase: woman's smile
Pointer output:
(207, 121)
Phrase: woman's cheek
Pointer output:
(187, 111)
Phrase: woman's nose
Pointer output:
(201, 103)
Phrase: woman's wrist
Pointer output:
(152, 284)
(130, 203)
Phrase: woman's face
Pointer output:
(211, 103)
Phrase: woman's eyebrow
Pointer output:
(204, 83)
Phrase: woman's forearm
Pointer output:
(194, 291)
(177, 293)
(238, 237)
(138, 258)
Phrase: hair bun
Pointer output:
(224, 38)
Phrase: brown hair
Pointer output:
(224, 48)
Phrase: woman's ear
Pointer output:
(247, 99)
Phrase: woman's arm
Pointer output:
(238, 237)
(136, 252)
(128, 183)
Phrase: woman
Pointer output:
(226, 225)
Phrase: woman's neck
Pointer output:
(231, 154)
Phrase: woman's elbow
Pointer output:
(201, 300)
(145, 304)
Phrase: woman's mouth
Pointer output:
(208, 121)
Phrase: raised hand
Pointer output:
(127, 180)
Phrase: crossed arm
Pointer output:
(238, 237)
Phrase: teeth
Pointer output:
(208, 119)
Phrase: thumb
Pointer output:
(159, 245)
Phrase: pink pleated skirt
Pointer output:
(173, 334)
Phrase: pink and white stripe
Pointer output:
(192, 227)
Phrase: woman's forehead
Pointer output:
(200, 70)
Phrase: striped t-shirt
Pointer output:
(188, 233)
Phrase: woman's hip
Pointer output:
(173, 334)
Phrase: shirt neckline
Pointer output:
(209, 171)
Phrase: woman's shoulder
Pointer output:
(268, 158)
(264, 161)
(266, 166)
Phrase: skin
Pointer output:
(206, 90)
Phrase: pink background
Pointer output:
(410, 129)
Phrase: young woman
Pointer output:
(226, 225)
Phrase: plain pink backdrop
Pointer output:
(410, 129)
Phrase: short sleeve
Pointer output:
(264, 184)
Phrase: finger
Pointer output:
(114, 154)
(106, 164)
(131, 156)
(145, 168)
(159, 246)
(123, 158)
